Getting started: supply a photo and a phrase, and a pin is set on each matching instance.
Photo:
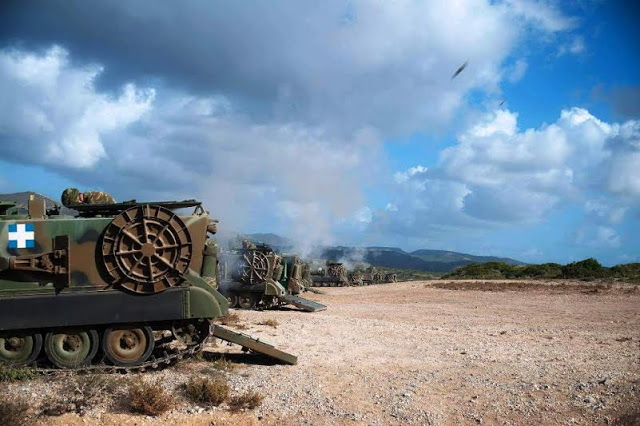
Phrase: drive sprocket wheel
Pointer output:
(256, 267)
(147, 249)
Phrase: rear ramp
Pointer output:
(254, 344)
(302, 303)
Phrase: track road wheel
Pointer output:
(233, 300)
(247, 301)
(71, 348)
(20, 349)
(127, 346)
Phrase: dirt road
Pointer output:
(412, 353)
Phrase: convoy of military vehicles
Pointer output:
(135, 285)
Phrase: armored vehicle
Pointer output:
(355, 278)
(251, 278)
(123, 279)
(372, 276)
(333, 275)
(390, 277)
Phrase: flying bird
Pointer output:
(459, 70)
(501, 103)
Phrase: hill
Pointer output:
(452, 256)
(437, 261)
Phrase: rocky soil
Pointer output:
(410, 353)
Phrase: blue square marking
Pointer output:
(28, 227)
(13, 227)
(31, 243)
(13, 244)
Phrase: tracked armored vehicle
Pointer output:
(334, 274)
(372, 276)
(255, 277)
(131, 281)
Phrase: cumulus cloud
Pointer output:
(165, 143)
(336, 64)
(52, 114)
(498, 174)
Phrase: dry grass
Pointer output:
(149, 397)
(13, 413)
(499, 286)
(88, 391)
(269, 322)
(248, 400)
(203, 390)
(232, 319)
(223, 364)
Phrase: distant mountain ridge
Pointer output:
(438, 261)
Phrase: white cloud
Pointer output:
(576, 46)
(541, 15)
(517, 71)
(401, 177)
(598, 237)
(52, 114)
(498, 174)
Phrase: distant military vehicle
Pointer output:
(355, 278)
(107, 281)
(372, 276)
(390, 277)
(334, 274)
(250, 279)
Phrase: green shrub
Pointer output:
(15, 374)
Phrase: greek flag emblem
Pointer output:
(21, 235)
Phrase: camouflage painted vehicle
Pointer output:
(390, 277)
(372, 276)
(112, 280)
(255, 277)
(355, 278)
(334, 274)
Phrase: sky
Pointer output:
(339, 122)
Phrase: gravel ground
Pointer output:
(412, 353)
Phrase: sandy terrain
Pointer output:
(411, 353)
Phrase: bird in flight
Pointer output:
(501, 103)
(459, 70)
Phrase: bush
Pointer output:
(149, 398)
(11, 374)
(270, 322)
(206, 391)
(13, 413)
(248, 400)
(588, 268)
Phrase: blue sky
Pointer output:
(339, 123)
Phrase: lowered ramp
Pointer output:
(254, 344)
(302, 303)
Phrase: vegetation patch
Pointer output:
(149, 397)
(16, 374)
(588, 269)
(246, 401)
(203, 390)
(270, 323)
(232, 319)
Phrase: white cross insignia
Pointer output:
(21, 235)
